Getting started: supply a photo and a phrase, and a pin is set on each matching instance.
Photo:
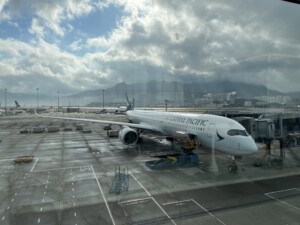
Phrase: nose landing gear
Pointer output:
(232, 167)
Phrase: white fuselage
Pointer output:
(221, 133)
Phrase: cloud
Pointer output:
(36, 28)
(3, 15)
(247, 41)
(39, 62)
(100, 42)
(198, 37)
(76, 45)
(46, 14)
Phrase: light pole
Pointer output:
(37, 98)
(58, 101)
(103, 98)
(5, 101)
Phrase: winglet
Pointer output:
(292, 1)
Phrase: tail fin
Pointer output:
(129, 104)
(17, 104)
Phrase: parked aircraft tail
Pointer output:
(17, 104)
(130, 106)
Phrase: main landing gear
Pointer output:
(140, 140)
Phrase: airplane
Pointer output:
(292, 1)
(98, 110)
(212, 131)
(117, 110)
(25, 109)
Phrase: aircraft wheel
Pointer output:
(232, 168)
(235, 167)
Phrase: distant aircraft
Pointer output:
(120, 109)
(293, 1)
(17, 104)
(23, 109)
(212, 131)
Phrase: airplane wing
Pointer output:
(293, 1)
(132, 125)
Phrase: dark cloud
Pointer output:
(222, 39)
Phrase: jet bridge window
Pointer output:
(235, 132)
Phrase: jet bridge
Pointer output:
(282, 127)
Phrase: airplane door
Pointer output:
(211, 130)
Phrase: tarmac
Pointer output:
(69, 179)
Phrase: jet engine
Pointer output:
(128, 136)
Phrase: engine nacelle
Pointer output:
(128, 136)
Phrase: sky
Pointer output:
(76, 45)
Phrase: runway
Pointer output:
(69, 179)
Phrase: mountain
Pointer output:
(244, 90)
(148, 93)
(155, 92)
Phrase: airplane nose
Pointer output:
(252, 147)
(249, 147)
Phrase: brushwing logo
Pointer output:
(219, 136)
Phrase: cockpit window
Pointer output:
(235, 132)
